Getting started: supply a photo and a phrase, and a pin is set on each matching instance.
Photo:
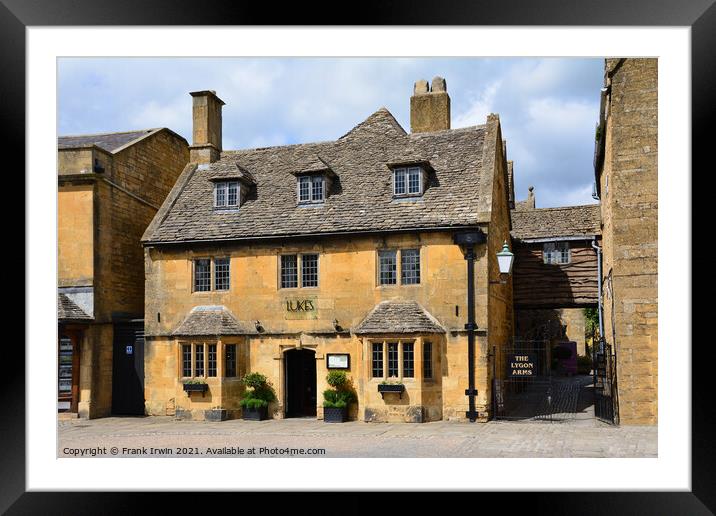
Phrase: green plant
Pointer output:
(341, 394)
(259, 393)
(391, 382)
(584, 364)
(195, 381)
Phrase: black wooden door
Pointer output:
(128, 369)
(300, 383)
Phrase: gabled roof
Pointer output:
(110, 142)
(106, 141)
(567, 221)
(210, 320)
(398, 316)
(67, 310)
(361, 197)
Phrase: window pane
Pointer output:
(304, 189)
(186, 360)
(399, 180)
(202, 275)
(309, 270)
(414, 180)
(563, 252)
(317, 188)
(289, 271)
(198, 359)
(233, 195)
(220, 195)
(387, 268)
(393, 359)
(377, 360)
(221, 273)
(427, 360)
(408, 360)
(410, 266)
(211, 361)
(230, 360)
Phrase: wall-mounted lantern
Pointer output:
(505, 259)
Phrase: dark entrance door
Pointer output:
(300, 382)
(128, 369)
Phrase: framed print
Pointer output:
(484, 205)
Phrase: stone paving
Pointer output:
(157, 436)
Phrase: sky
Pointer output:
(548, 107)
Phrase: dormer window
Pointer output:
(407, 181)
(311, 189)
(226, 194)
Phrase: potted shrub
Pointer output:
(195, 385)
(390, 386)
(257, 397)
(337, 399)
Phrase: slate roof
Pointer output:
(568, 221)
(67, 310)
(210, 320)
(106, 141)
(361, 197)
(398, 316)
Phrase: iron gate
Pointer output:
(527, 387)
(606, 400)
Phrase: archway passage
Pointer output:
(300, 382)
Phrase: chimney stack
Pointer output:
(430, 107)
(206, 135)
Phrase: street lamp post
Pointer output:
(467, 241)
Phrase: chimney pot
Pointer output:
(439, 84)
(421, 87)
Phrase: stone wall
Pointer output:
(101, 218)
(628, 189)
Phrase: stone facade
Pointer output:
(348, 289)
(109, 189)
(627, 182)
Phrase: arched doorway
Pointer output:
(300, 373)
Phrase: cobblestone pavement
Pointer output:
(148, 436)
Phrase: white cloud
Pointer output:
(174, 114)
(481, 105)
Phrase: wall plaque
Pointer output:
(338, 361)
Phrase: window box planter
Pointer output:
(391, 387)
(254, 414)
(335, 414)
(195, 387)
(215, 415)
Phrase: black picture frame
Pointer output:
(348, 361)
(17, 15)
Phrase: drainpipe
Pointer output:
(468, 240)
(599, 293)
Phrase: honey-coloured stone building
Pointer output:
(110, 186)
(293, 260)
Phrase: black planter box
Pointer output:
(254, 414)
(335, 414)
(196, 387)
(215, 415)
(383, 388)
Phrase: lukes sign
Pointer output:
(520, 364)
(300, 308)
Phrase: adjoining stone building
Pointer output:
(556, 270)
(110, 186)
(289, 260)
(626, 160)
